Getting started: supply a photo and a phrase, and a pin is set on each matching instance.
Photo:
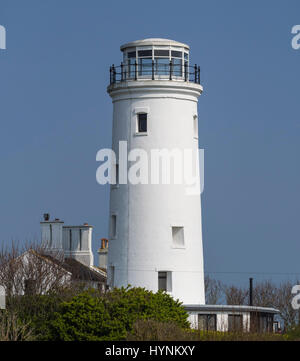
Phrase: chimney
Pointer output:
(52, 234)
(46, 217)
(102, 252)
(250, 291)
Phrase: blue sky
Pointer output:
(55, 115)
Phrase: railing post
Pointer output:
(135, 70)
(114, 73)
(195, 73)
(110, 78)
(198, 74)
(171, 70)
(185, 71)
(152, 69)
(122, 75)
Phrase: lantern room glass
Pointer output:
(139, 62)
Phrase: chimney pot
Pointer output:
(104, 243)
(46, 217)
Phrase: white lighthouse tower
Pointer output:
(155, 229)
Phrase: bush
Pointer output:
(150, 330)
(38, 311)
(132, 304)
(112, 317)
(293, 334)
(85, 318)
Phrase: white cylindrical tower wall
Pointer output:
(147, 220)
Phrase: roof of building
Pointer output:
(82, 272)
(153, 41)
(78, 270)
(230, 308)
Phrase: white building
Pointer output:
(155, 229)
(74, 241)
(74, 244)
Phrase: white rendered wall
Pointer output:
(52, 235)
(81, 250)
(146, 213)
(222, 319)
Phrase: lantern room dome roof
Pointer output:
(153, 41)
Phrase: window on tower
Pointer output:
(162, 281)
(178, 236)
(195, 126)
(142, 123)
(165, 281)
(113, 226)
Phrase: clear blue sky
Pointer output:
(55, 115)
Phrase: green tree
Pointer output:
(85, 318)
(132, 304)
(89, 317)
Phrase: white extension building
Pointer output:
(155, 229)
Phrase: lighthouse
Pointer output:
(155, 229)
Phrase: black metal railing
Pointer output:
(154, 71)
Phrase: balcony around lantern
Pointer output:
(159, 68)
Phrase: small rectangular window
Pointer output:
(145, 53)
(195, 126)
(207, 322)
(235, 323)
(113, 226)
(142, 123)
(176, 54)
(165, 281)
(178, 236)
(162, 281)
(131, 54)
(161, 53)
